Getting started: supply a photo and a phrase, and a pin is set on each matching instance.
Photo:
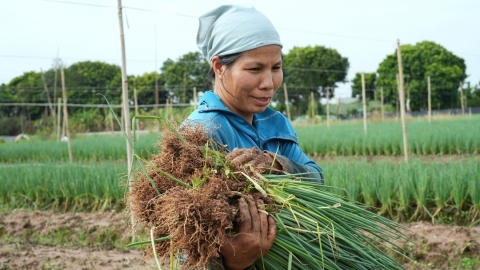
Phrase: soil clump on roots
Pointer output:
(196, 216)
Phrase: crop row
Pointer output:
(419, 189)
(93, 186)
(457, 136)
(416, 190)
(446, 137)
(84, 149)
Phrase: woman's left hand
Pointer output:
(260, 161)
(255, 236)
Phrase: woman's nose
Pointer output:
(267, 81)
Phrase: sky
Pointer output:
(34, 32)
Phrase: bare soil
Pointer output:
(48, 240)
(34, 240)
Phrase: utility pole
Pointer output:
(58, 118)
(57, 123)
(136, 110)
(338, 107)
(185, 87)
(364, 102)
(156, 80)
(402, 101)
(328, 107)
(398, 98)
(195, 97)
(313, 107)
(126, 106)
(429, 100)
(52, 110)
(286, 101)
(461, 98)
(466, 95)
(382, 110)
(65, 116)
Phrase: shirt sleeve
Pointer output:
(295, 161)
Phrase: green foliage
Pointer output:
(409, 191)
(421, 60)
(390, 186)
(472, 95)
(145, 85)
(27, 88)
(6, 96)
(85, 80)
(87, 120)
(187, 72)
(62, 186)
(12, 125)
(369, 85)
(312, 69)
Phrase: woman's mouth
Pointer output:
(262, 101)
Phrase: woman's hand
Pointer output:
(262, 162)
(255, 236)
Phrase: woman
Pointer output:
(245, 54)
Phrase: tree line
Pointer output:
(307, 70)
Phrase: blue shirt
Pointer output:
(270, 131)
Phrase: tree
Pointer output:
(6, 97)
(28, 88)
(312, 69)
(145, 85)
(180, 77)
(421, 60)
(369, 85)
(84, 80)
(472, 95)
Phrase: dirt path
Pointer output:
(47, 240)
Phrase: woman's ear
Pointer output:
(217, 66)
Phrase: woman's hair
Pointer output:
(226, 60)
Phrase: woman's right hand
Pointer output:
(255, 236)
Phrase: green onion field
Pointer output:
(439, 185)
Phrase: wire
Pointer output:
(336, 35)
(80, 4)
(191, 16)
(124, 7)
(156, 11)
(71, 58)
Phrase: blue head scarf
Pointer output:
(233, 29)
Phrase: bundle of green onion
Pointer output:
(317, 229)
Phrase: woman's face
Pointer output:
(248, 85)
